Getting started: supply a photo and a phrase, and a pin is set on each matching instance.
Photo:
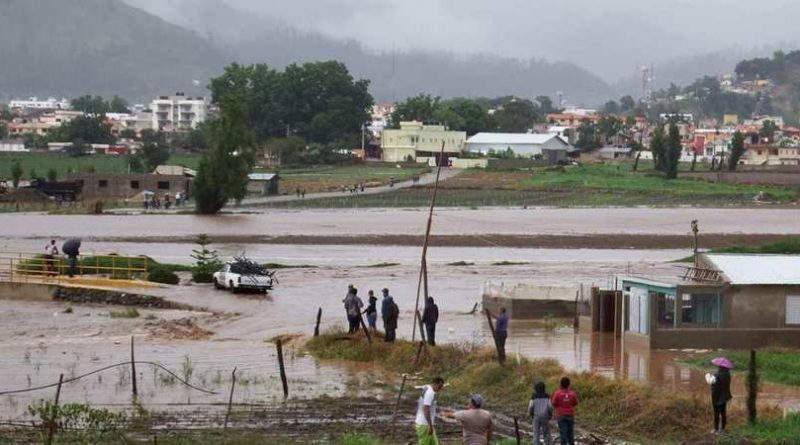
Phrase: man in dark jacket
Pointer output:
(430, 316)
(390, 313)
(720, 396)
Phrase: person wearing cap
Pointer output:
(475, 421)
(721, 392)
(426, 413)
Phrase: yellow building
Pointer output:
(414, 140)
(730, 119)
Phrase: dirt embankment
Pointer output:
(97, 296)
(598, 241)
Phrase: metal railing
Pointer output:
(21, 267)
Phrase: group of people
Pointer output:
(301, 193)
(355, 188)
(154, 202)
(390, 313)
(477, 423)
(354, 308)
(51, 254)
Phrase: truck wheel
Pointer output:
(233, 288)
(217, 285)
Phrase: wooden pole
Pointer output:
(282, 368)
(419, 353)
(516, 430)
(133, 370)
(366, 330)
(399, 397)
(230, 398)
(319, 318)
(422, 270)
(425, 281)
(53, 420)
(752, 389)
(421, 326)
(494, 335)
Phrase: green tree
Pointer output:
(768, 130)
(16, 173)
(658, 147)
(611, 107)
(516, 116)
(609, 126)
(222, 173)
(546, 105)
(674, 149)
(420, 108)
(153, 154)
(737, 150)
(33, 175)
(206, 260)
(3, 131)
(95, 106)
(52, 175)
(587, 136)
(89, 129)
(118, 105)
(627, 103)
(127, 134)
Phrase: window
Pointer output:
(793, 309)
(163, 185)
(665, 310)
(135, 185)
(701, 309)
(102, 183)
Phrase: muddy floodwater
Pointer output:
(223, 331)
(547, 221)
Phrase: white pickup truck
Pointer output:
(227, 279)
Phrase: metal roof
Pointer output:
(513, 138)
(742, 269)
(261, 176)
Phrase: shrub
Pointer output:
(131, 312)
(162, 275)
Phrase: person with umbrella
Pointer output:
(71, 248)
(720, 392)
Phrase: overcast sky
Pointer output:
(608, 37)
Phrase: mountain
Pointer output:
(72, 47)
(254, 38)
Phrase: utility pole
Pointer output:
(695, 231)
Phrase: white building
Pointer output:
(413, 141)
(34, 103)
(178, 113)
(12, 145)
(523, 144)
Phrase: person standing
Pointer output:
(476, 422)
(353, 305)
(426, 413)
(372, 311)
(721, 392)
(430, 316)
(501, 334)
(390, 313)
(541, 410)
(50, 253)
(349, 301)
(564, 402)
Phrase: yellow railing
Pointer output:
(28, 267)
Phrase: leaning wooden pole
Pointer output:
(423, 270)
(52, 422)
(282, 368)
(230, 398)
(133, 371)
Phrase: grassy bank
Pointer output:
(779, 366)
(613, 407)
(584, 186)
(330, 178)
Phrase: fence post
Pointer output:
(54, 413)
(399, 397)
(516, 430)
(419, 353)
(319, 318)
(230, 398)
(133, 371)
(752, 388)
(282, 368)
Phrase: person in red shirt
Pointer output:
(564, 402)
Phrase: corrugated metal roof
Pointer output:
(741, 269)
(512, 138)
(261, 176)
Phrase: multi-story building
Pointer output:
(413, 140)
(33, 103)
(178, 113)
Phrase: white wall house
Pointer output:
(414, 140)
(523, 144)
(33, 103)
(178, 113)
(12, 145)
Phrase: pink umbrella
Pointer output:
(722, 362)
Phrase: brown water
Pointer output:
(392, 221)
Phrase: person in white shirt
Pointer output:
(426, 413)
(50, 253)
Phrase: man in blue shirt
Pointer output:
(501, 334)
